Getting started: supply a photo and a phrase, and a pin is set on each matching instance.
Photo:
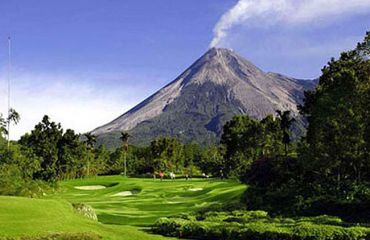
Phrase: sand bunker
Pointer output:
(91, 187)
(195, 189)
(173, 202)
(122, 194)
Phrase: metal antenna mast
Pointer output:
(9, 70)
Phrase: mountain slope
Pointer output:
(196, 104)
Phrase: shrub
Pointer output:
(85, 210)
(257, 225)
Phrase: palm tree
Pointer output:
(124, 138)
(285, 123)
(90, 142)
(3, 130)
(13, 117)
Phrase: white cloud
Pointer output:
(259, 13)
(77, 102)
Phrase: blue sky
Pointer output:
(84, 62)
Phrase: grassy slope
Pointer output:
(154, 199)
(37, 217)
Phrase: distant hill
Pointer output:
(195, 106)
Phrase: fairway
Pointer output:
(39, 217)
(124, 206)
(140, 202)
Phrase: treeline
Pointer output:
(329, 171)
(49, 154)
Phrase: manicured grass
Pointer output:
(151, 199)
(120, 217)
(37, 217)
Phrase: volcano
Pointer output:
(196, 105)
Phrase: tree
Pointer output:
(192, 156)
(13, 117)
(286, 122)
(3, 130)
(43, 140)
(62, 154)
(90, 140)
(90, 143)
(212, 160)
(338, 132)
(124, 138)
(242, 137)
(272, 145)
(167, 154)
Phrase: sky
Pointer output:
(85, 62)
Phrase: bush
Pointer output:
(12, 183)
(257, 225)
(85, 210)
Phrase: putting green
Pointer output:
(121, 215)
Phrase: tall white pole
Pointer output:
(9, 70)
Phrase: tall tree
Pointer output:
(124, 138)
(338, 116)
(243, 137)
(44, 140)
(167, 154)
(286, 122)
(13, 118)
(90, 143)
(3, 130)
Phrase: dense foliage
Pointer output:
(247, 140)
(257, 225)
(331, 173)
(339, 125)
(62, 154)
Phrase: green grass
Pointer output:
(151, 199)
(119, 217)
(38, 217)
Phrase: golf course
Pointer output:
(125, 207)
(138, 120)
